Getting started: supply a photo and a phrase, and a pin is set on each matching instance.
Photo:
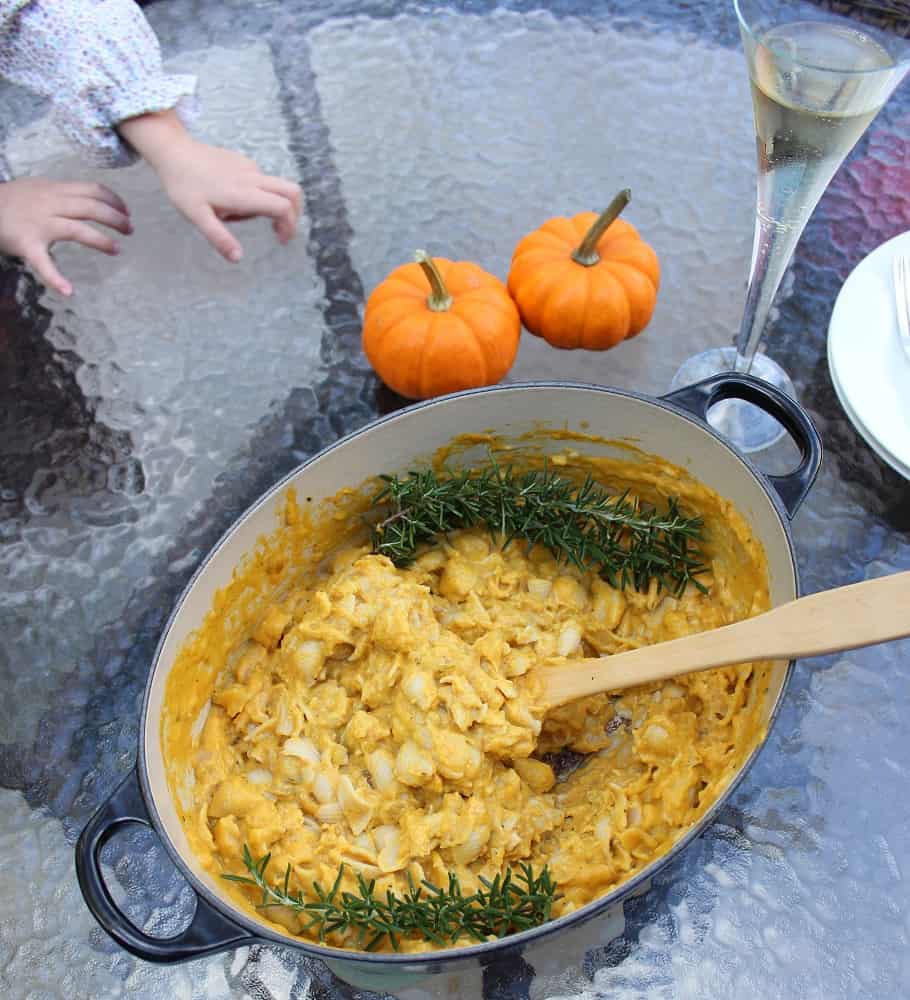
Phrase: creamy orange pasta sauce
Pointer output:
(387, 718)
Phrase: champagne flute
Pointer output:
(820, 71)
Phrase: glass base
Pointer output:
(742, 424)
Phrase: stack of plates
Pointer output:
(869, 368)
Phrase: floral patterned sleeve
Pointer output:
(97, 60)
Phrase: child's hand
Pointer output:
(211, 186)
(36, 213)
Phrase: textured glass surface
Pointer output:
(141, 417)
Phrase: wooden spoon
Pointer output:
(832, 620)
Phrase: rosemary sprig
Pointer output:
(584, 524)
(509, 903)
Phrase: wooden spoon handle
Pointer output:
(844, 618)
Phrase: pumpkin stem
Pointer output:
(586, 254)
(439, 299)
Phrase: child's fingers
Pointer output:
(98, 192)
(255, 202)
(92, 210)
(82, 232)
(46, 269)
(217, 233)
(287, 189)
(283, 211)
(285, 228)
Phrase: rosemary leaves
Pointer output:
(583, 524)
(509, 903)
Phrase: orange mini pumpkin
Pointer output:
(438, 326)
(587, 281)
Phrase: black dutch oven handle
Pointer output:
(699, 398)
(208, 932)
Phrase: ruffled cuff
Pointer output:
(99, 62)
(94, 127)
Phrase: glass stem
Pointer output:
(772, 249)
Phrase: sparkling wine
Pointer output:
(807, 119)
(816, 85)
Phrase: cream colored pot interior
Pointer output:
(400, 442)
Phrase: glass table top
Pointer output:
(141, 417)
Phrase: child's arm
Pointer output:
(210, 185)
(99, 61)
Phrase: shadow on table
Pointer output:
(884, 492)
(52, 448)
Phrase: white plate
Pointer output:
(869, 369)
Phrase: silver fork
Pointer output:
(901, 268)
